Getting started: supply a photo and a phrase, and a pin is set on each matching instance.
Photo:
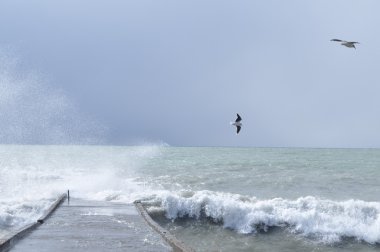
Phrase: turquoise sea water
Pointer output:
(214, 199)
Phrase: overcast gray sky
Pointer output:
(178, 71)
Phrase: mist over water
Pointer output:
(32, 111)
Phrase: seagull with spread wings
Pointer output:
(237, 123)
(349, 44)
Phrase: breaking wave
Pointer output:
(33, 176)
(15, 214)
(324, 220)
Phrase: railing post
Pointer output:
(68, 196)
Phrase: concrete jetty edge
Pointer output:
(177, 245)
(52, 208)
(7, 242)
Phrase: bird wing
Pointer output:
(338, 40)
(238, 129)
(238, 119)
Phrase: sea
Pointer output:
(211, 198)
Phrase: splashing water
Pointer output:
(33, 176)
(326, 220)
(32, 112)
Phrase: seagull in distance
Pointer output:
(349, 44)
(237, 123)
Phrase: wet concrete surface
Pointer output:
(93, 226)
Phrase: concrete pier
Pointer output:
(92, 226)
(7, 241)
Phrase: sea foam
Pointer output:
(324, 220)
(14, 214)
(32, 177)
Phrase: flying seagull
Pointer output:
(237, 123)
(350, 44)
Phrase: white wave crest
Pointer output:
(328, 221)
(20, 213)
